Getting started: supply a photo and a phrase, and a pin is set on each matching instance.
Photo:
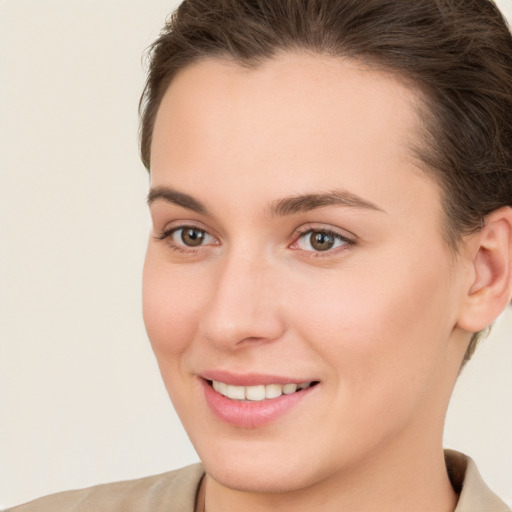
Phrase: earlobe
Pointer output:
(490, 288)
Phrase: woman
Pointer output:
(330, 197)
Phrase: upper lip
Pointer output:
(250, 379)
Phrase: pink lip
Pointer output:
(247, 414)
(249, 379)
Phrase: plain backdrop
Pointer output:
(81, 400)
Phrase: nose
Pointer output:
(245, 306)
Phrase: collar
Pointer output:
(474, 495)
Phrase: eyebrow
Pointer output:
(307, 202)
(178, 198)
(278, 208)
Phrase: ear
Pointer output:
(489, 287)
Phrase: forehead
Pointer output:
(296, 121)
(308, 96)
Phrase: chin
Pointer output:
(263, 465)
(258, 478)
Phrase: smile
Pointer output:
(258, 393)
(254, 400)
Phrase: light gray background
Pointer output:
(81, 400)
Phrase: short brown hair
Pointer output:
(458, 53)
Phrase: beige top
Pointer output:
(176, 492)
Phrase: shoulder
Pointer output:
(174, 491)
(474, 495)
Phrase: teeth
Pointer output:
(236, 392)
(288, 389)
(220, 387)
(273, 390)
(257, 393)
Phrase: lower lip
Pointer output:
(248, 414)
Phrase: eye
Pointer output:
(187, 238)
(190, 236)
(320, 240)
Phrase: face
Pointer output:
(296, 244)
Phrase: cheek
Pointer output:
(383, 352)
(170, 306)
(388, 325)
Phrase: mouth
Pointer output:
(260, 392)
(254, 400)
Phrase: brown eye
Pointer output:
(191, 237)
(321, 241)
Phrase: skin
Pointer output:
(378, 321)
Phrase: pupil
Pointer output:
(192, 237)
(321, 241)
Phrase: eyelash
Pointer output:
(168, 233)
(301, 233)
(298, 235)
